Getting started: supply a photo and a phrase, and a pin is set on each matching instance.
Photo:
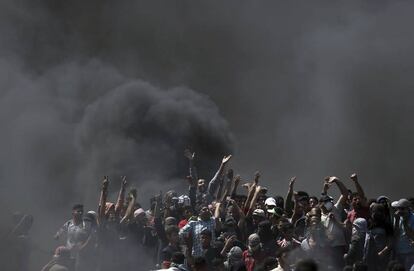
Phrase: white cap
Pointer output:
(270, 201)
(138, 212)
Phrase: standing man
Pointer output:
(193, 229)
(404, 233)
(76, 232)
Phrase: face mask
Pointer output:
(354, 231)
(328, 205)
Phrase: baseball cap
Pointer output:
(402, 203)
(380, 198)
(270, 201)
(259, 212)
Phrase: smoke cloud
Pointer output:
(92, 88)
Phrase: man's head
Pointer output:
(313, 217)
(77, 211)
(356, 201)
(205, 237)
(172, 234)
(378, 213)
(254, 243)
(258, 216)
(402, 208)
(139, 216)
(230, 224)
(313, 202)
(303, 201)
(383, 200)
(359, 226)
(170, 221)
(204, 213)
(270, 203)
(201, 185)
(326, 204)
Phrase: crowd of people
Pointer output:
(220, 226)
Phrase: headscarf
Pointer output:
(360, 225)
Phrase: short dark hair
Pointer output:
(77, 206)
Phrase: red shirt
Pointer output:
(362, 212)
(253, 261)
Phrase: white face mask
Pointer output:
(328, 205)
(354, 231)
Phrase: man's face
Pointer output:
(356, 202)
(313, 203)
(205, 213)
(77, 213)
(201, 185)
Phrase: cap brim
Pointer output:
(395, 204)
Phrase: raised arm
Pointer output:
(289, 203)
(192, 191)
(191, 160)
(121, 197)
(227, 186)
(102, 199)
(213, 185)
(251, 190)
(359, 189)
(242, 218)
(254, 200)
(217, 216)
(236, 184)
(342, 188)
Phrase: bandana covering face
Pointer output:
(328, 205)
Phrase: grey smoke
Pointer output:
(307, 89)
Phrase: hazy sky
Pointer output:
(92, 88)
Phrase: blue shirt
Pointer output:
(405, 244)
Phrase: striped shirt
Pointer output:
(194, 229)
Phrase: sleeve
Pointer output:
(63, 229)
(214, 183)
(186, 229)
